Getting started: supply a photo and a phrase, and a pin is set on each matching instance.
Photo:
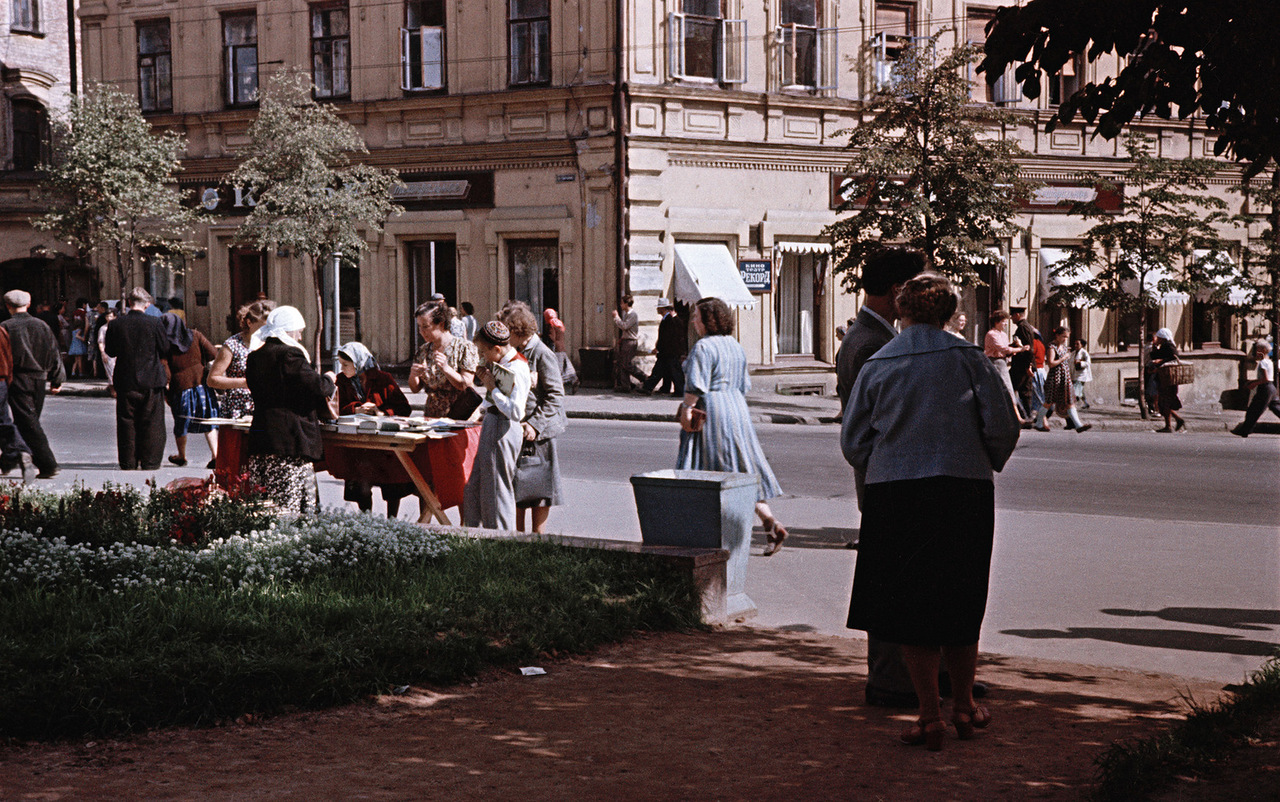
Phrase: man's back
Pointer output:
(139, 343)
(34, 348)
(866, 336)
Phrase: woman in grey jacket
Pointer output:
(537, 481)
(929, 420)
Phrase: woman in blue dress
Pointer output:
(717, 434)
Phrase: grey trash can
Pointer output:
(702, 509)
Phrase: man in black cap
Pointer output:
(669, 353)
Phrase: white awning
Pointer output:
(1236, 295)
(801, 247)
(1152, 284)
(1078, 275)
(705, 269)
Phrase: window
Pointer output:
(703, 45)
(30, 134)
(535, 273)
(1067, 81)
(894, 28)
(808, 52)
(240, 58)
(331, 51)
(155, 66)
(422, 46)
(25, 16)
(1005, 89)
(529, 41)
(165, 276)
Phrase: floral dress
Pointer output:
(462, 357)
(236, 403)
(1057, 384)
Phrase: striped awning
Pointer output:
(788, 246)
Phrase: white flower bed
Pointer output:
(285, 552)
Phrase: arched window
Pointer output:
(30, 134)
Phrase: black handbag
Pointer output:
(464, 405)
(534, 473)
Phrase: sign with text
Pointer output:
(757, 274)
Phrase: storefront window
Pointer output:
(535, 273)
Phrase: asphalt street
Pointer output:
(1148, 551)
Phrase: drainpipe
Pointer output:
(620, 145)
(71, 45)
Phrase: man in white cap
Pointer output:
(669, 353)
(36, 359)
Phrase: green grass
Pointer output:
(1205, 740)
(80, 662)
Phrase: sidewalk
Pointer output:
(768, 406)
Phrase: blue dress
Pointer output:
(717, 371)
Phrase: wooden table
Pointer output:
(437, 452)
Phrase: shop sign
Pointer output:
(1058, 198)
(757, 274)
(461, 190)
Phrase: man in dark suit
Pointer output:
(36, 359)
(669, 353)
(139, 343)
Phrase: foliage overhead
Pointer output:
(929, 169)
(1216, 58)
(111, 189)
(308, 195)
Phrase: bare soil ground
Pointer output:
(737, 713)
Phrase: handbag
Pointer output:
(465, 405)
(534, 473)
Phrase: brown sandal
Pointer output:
(774, 533)
(929, 733)
(966, 721)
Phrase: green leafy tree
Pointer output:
(111, 189)
(1215, 59)
(1164, 240)
(928, 169)
(308, 195)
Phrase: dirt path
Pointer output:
(740, 713)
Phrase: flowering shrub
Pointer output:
(283, 552)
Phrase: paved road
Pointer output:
(1138, 550)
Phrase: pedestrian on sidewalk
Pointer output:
(716, 431)
(289, 400)
(189, 398)
(997, 348)
(1164, 352)
(1057, 385)
(553, 336)
(628, 324)
(14, 453)
(669, 353)
(1022, 365)
(537, 478)
(489, 500)
(36, 360)
(1083, 364)
(1265, 396)
(140, 345)
(108, 362)
(929, 421)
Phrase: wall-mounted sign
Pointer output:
(463, 190)
(1058, 197)
(757, 274)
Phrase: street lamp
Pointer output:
(332, 323)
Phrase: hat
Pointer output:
(665, 303)
(495, 333)
(437, 296)
(17, 298)
(1017, 310)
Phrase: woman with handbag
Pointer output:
(489, 499)
(1164, 352)
(537, 479)
(717, 434)
(444, 366)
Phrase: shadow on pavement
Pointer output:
(1182, 640)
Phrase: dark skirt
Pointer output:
(924, 559)
(196, 402)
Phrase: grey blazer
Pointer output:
(866, 336)
(546, 414)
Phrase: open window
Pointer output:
(894, 29)
(703, 45)
(807, 50)
(422, 46)
(1005, 89)
(1067, 81)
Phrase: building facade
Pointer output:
(567, 153)
(36, 66)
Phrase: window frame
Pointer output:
(728, 57)
(159, 75)
(1005, 90)
(824, 50)
(229, 61)
(23, 8)
(1056, 92)
(36, 141)
(887, 46)
(530, 65)
(326, 45)
(411, 70)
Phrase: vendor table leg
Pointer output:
(430, 502)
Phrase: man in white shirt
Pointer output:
(1265, 398)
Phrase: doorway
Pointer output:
(796, 303)
(534, 266)
(248, 270)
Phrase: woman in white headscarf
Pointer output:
(1167, 401)
(289, 399)
(364, 388)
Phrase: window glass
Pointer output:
(895, 19)
(702, 8)
(330, 52)
(26, 15)
(527, 9)
(240, 44)
(529, 41)
(800, 12)
(155, 66)
(30, 134)
(424, 13)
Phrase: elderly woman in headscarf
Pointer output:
(188, 398)
(289, 399)
(1164, 352)
(366, 389)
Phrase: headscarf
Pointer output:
(358, 355)
(281, 321)
(552, 319)
(1164, 334)
(176, 331)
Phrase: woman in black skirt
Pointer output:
(929, 420)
